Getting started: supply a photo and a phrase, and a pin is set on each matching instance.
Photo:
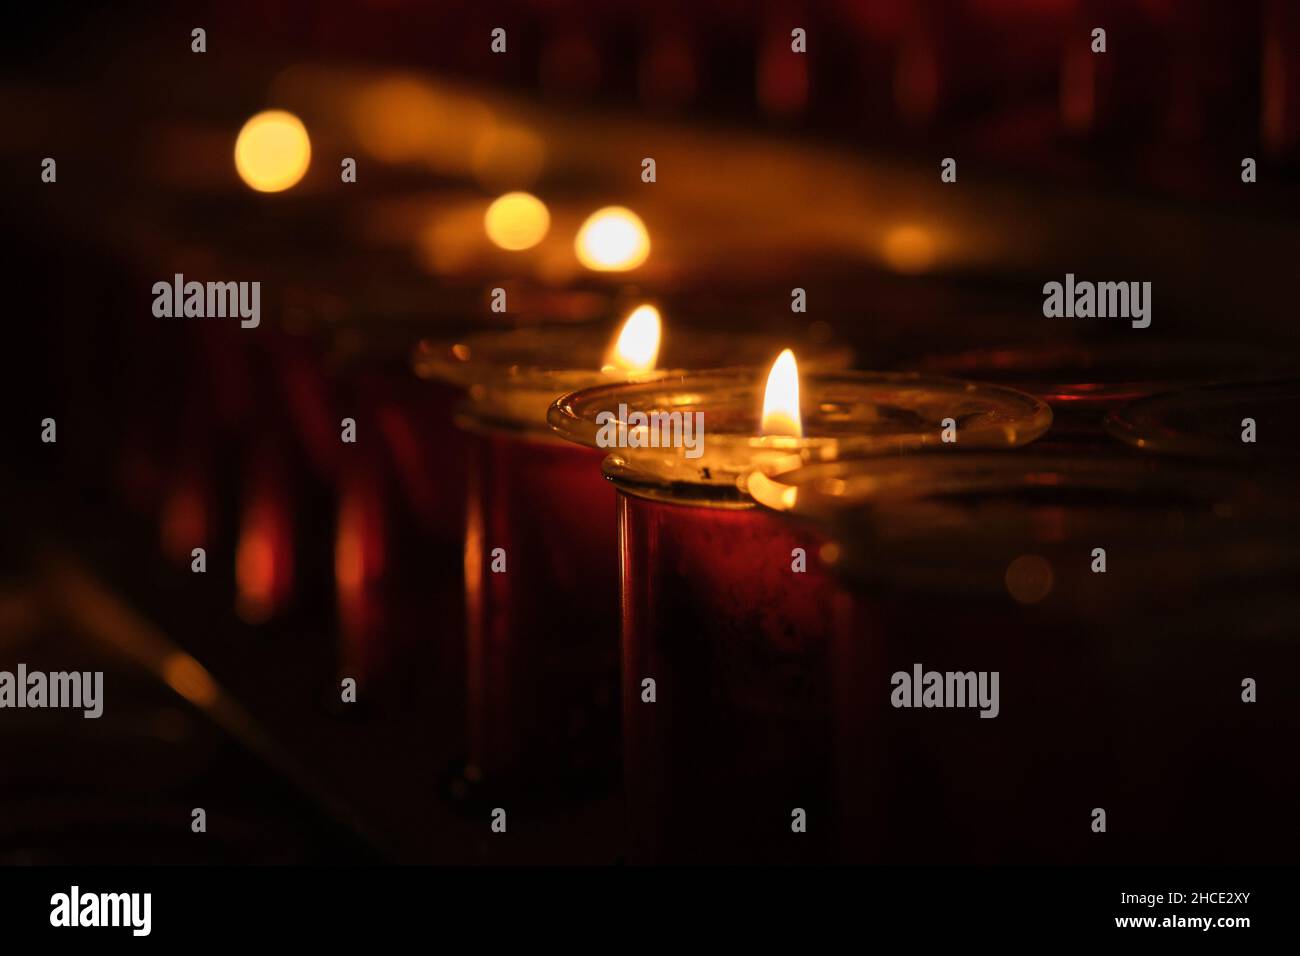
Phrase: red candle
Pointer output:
(399, 516)
(738, 734)
(1112, 676)
(728, 609)
(542, 666)
(541, 572)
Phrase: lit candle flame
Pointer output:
(612, 239)
(781, 398)
(636, 349)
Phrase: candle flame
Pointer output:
(637, 347)
(612, 239)
(781, 398)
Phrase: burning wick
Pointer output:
(637, 347)
(781, 398)
(780, 418)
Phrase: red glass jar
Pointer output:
(728, 609)
(1115, 684)
(541, 558)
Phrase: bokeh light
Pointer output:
(1029, 578)
(273, 151)
(909, 249)
(517, 221)
(613, 239)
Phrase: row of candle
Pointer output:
(544, 636)
(746, 653)
(1112, 677)
(747, 667)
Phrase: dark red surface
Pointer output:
(739, 646)
(543, 635)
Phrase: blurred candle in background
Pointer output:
(612, 239)
(272, 151)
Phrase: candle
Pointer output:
(1112, 676)
(541, 572)
(727, 608)
(399, 514)
(362, 466)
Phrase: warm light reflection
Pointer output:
(612, 239)
(506, 156)
(637, 347)
(781, 398)
(190, 679)
(349, 555)
(358, 541)
(1029, 578)
(450, 241)
(517, 221)
(397, 119)
(262, 559)
(184, 521)
(405, 119)
(273, 151)
(908, 249)
(358, 571)
(771, 493)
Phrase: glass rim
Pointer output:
(547, 355)
(848, 406)
(1149, 423)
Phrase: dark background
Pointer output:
(773, 173)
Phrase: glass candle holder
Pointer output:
(1083, 381)
(1118, 680)
(399, 514)
(727, 608)
(357, 514)
(541, 566)
(201, 459)
(1231, 421)
(395, 492)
